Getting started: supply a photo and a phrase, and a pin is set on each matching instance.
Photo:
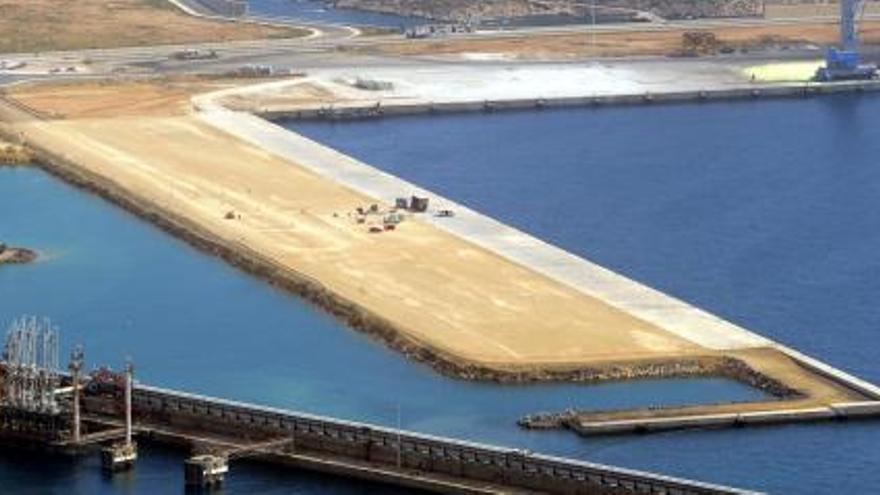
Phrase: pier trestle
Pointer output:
(228, 430)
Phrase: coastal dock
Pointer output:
(380, 106)
(295, 212)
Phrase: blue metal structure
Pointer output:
(843, 63)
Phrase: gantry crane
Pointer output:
(843, 62)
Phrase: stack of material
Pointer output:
(695, 43)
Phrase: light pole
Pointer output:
(129, 372)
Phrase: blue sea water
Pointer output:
(320, 11)
(324, 12)
(766, 213)
(763, 213)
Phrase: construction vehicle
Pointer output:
(843, 63)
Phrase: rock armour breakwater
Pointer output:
(16, 255)
(726, 367)
(13, 154)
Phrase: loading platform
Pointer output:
(378, 453)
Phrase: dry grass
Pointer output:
(785, 11)
(42, 25)
(621, 43)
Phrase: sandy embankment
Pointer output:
(434, 296)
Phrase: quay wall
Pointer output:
(381, 108)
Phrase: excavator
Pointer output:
(843, 63)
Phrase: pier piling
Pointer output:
(122, 456)
(205, 471)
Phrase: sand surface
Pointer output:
(447, 293)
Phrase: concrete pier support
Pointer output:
(76, 362)
(118, 457)
(205, 471)
(122, 456)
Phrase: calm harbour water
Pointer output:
(766, 213)
(759, 212)
(319, 11)
(121, 287)
(323, 12)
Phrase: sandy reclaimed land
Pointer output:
(44, 25)
(619, 43)
(436, 290)
(445, 292)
